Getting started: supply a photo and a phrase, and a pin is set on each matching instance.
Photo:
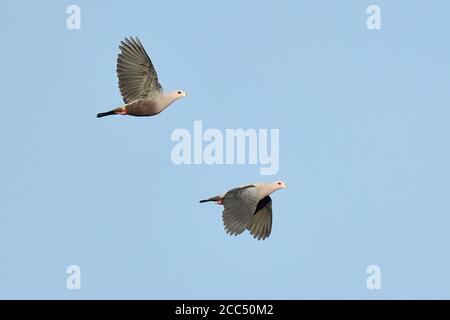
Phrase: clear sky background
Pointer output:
(364, 119)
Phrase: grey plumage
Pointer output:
(137, 75)
(239, 206)
(260, 226)
(248, 208)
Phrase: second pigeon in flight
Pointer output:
(248, 207)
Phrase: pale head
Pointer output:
(168, 99)
(268, 188)
(179, 94)
(279, 185)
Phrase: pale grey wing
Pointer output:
(239, 207)
(260, 225)
(137, 76)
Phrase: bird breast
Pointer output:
(144, 107)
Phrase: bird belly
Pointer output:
(142, 108)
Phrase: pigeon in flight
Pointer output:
(248, 207)
(142, 94)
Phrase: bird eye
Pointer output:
(179, 92)
(279, 183)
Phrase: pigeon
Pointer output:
(142, 94)
(248, 207)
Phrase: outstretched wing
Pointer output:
(260, 225)
(239, 207)
(137, 76)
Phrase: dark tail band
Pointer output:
(104, 114)
(213, 199)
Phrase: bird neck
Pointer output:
(168, 99)
(266, 189)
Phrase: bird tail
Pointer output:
(104, 114)
(213, 199)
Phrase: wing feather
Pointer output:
(137, 75)
(239, 207)
(260, 225)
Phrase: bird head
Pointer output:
(180, 94)
(280, 185)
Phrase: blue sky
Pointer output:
(364, 146)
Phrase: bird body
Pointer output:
(248, 207)
(146, 107)
(142, 93)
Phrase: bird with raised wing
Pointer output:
(248, 208)
(142, 93)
